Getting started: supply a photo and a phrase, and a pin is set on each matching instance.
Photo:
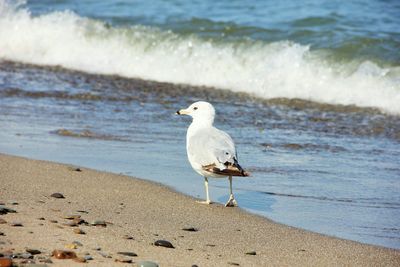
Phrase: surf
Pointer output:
(282, 69)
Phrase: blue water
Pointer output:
(308, 91)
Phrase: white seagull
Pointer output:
(211, 152)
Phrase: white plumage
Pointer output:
(211, 152)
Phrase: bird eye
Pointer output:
(195, 108)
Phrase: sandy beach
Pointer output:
(137, 213)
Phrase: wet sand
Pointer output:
(146, 212)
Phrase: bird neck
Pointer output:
(198, 124)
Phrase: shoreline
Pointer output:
(139, 212)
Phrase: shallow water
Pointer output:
(325, 168)
(309, 91)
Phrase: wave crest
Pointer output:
(267, 70)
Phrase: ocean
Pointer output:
(309, 91)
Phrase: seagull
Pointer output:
(211, 152)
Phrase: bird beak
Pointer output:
(182, 112)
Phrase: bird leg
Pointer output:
(231, 201)
(208, 201)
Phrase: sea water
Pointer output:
(309, 91)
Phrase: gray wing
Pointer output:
(212, 146)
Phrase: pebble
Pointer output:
(82, 211)
(53, 221)
(147, 264)
(2, 221)
(63, 254)
(17, 224)
(5, 210)
(23, 256)
(57, 195)
(88, 257)
(6, 262)
(233, 263)
(163, 243)
(190, 229)
(99, 223)
(33, 251)
(78, 169)
(45, 260)
(127, 237)
(103, 254)
(251, 253)
(71, 224)
(2, 234)
(72, 217)
(41, 218)
(79, 231)
(80, 221)
(123, 260)
(125, 253)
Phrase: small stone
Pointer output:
(2, 221)
(71, 224)
(233, 263)
(88, 257)
(103, 254)
(190, 229)
(82, 211)
(72, 217)
(194, 265)
(163, 243)
(5, 210)
(125, 253)
(78, 170)
(147, 264)
(6, 262)
(210, 245)
(123, 260)
(33, 251)
(23, 256)
(16, 224)
(99, 223)
(53, 221)
(71, 246)
(41, 219)
(2, 234)
(80, 221)
(57, 195)
(45, 260)
(251, 253)
(63, 254)
(79, 231)
(79, 259)
(128, 237)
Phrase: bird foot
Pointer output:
(231, 202)
(207, 202)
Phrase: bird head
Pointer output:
(199, 111)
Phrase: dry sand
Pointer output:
(147, 212)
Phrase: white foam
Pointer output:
(281, 69)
